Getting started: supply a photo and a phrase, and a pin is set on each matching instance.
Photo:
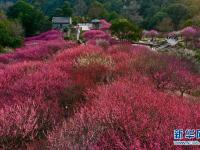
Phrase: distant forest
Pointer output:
(163, 15)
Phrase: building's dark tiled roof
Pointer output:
(61, 20)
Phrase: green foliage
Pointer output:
(32, 19)
(110, 16)
(191, 22)
(11, 34)
(178, 13)
(67, 11)
(147, 14)
(64, 11)
(198, 56)
(130, 11)
(78, 19)
(96, 10)
(158, 17)
(80, 8)
(165, 25)
(124, 29)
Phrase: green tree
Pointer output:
(2, 16)
(197, 56)
(194, 21)
(32, 19)
(64, 11)
(131, 11)
(110, 16)
(178, 13)
(67, 11)
(124, 29)
(96, 10)
(165, 25)
(114, 5)
(193, 6)
(157, 18)
(11, 33)
(80, 8)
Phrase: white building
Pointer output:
(85, 26)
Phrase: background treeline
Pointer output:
(164, 15)
(34, 16)
(11, 33)
(20, 20)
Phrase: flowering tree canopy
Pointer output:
(173, 34)
(95, 34)
(189, 32)
(104, 24)
(151, 33)
(113, 98)
(38, 47)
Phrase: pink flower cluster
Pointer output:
(167, 72)
(112, 95)
(190, 32)
(173, 34)
(151, 33)
(128, 114)
(30, 94)
(131, 113)
(95, 34)
(29, 97)
(49, 35)
(39, 47)
(105, 25)
(25, 121)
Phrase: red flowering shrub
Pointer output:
(48, 83)
(71, 54)
(93, 58)
(166, 72)
(93, 35)
(122, 47)
(152, 65)
(103, 44)
(90, 75)
(151, 34)
(12, 74)
(40, 51)
(29, 93)
(119, 115)
(2, 66)
(126, 115)
(4, 58)
(88, 68)
(173, 34)
(182, 77)
(23, 122)
(38, 48)
(92, 68)
(49, 35)
(104, 25)
(191, 34)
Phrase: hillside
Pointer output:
(56, 94)
(125, 75)
(148, 14)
